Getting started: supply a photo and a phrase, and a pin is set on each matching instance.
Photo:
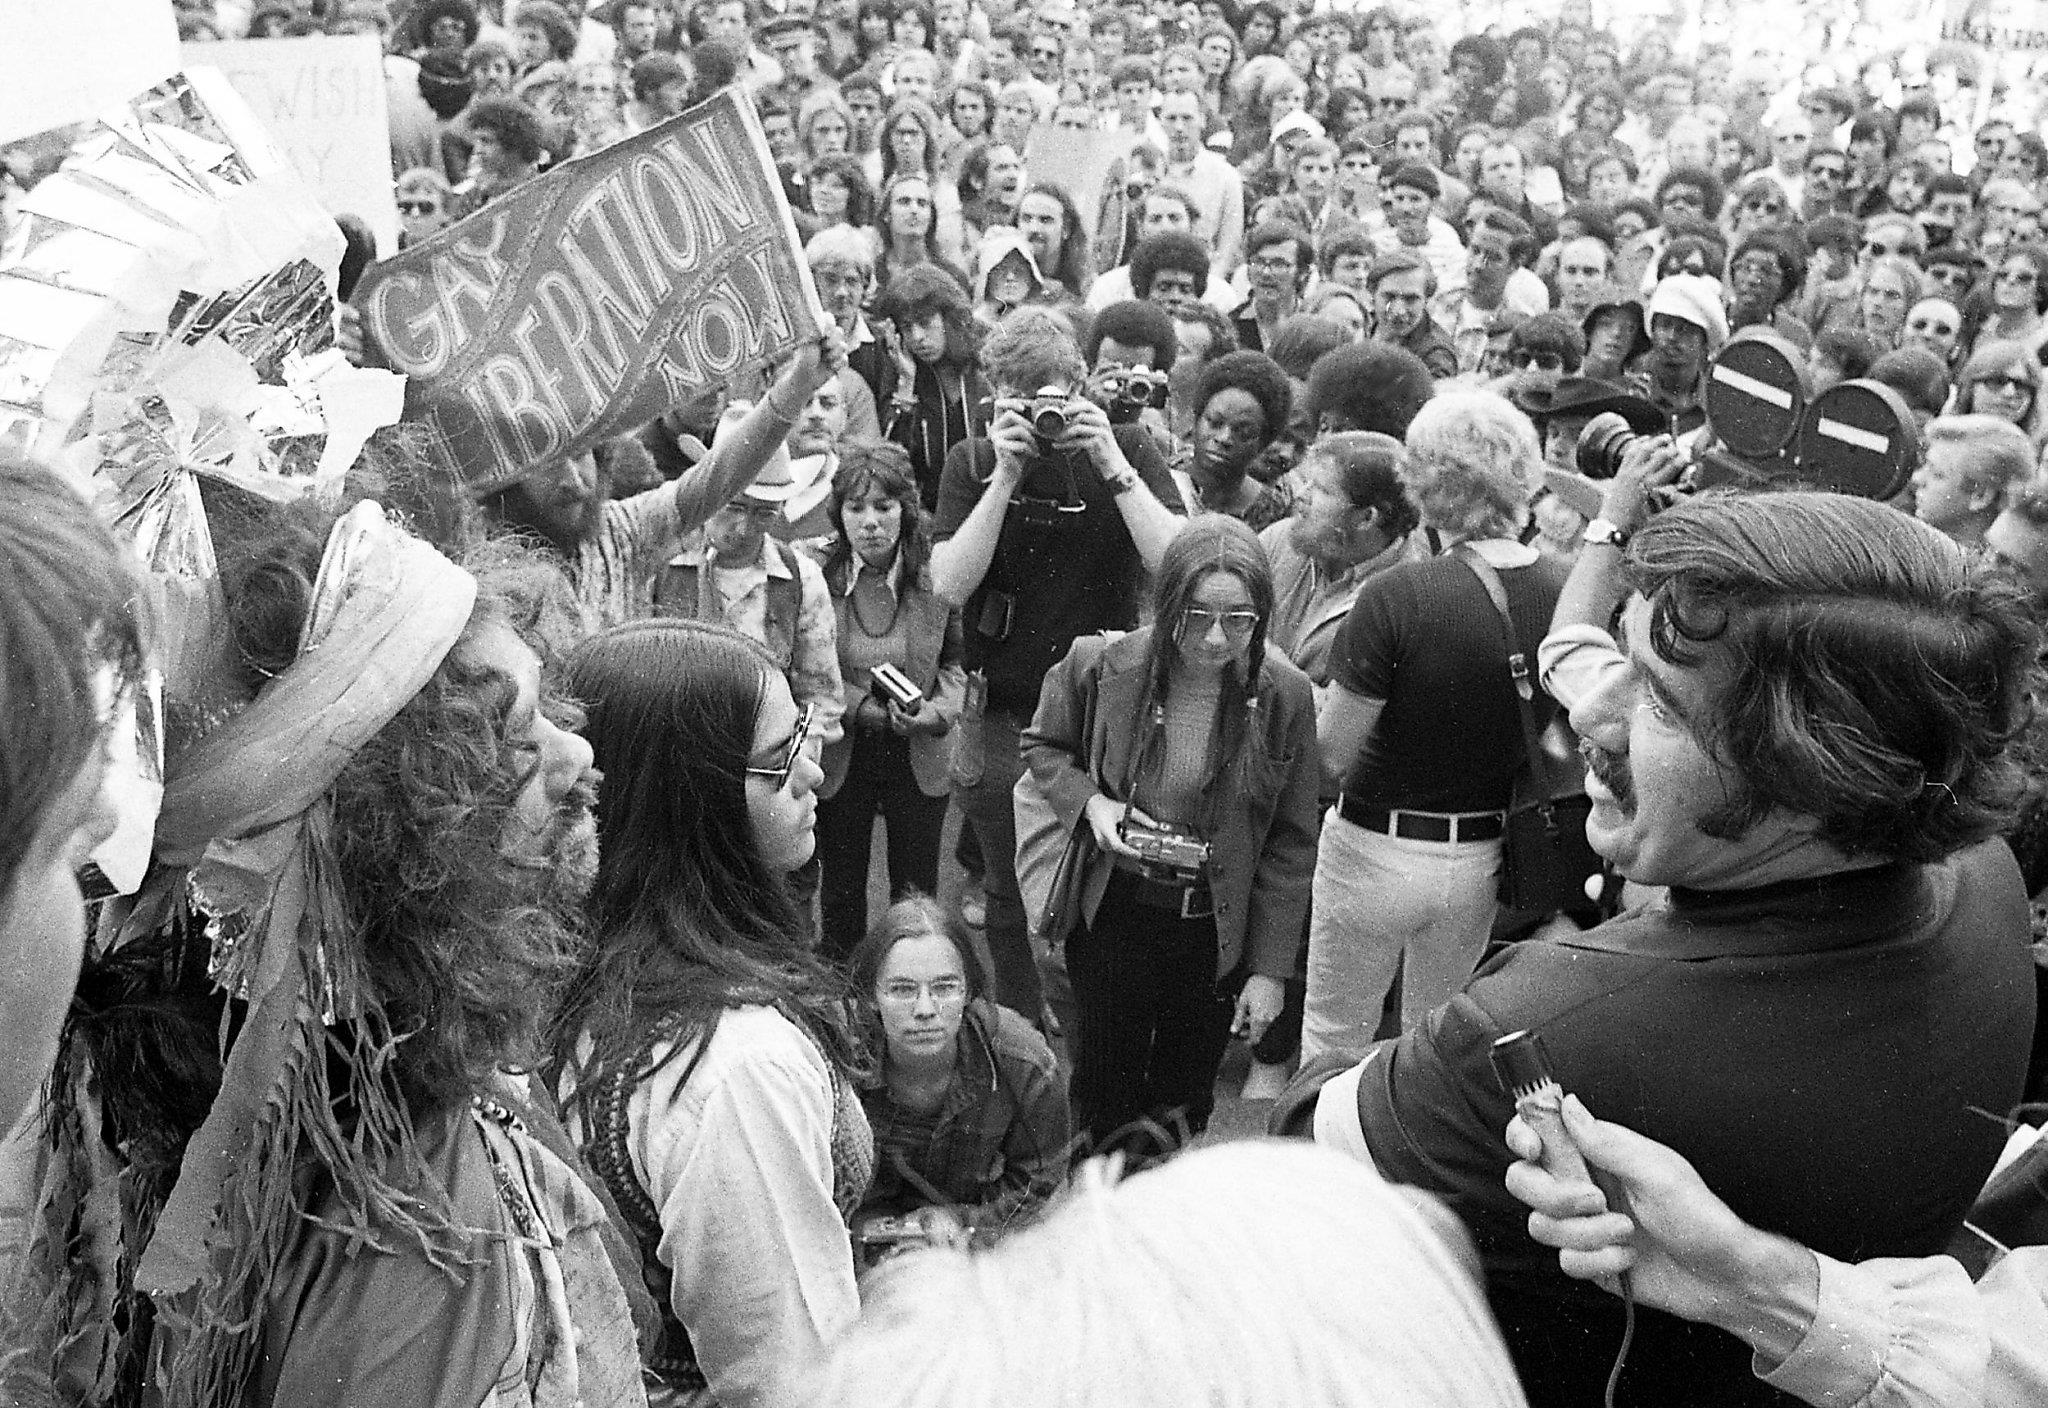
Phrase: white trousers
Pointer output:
(1377, 899)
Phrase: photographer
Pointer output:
(1195, 729)
(1802, 735)
(1130, 348)
(1040, 539)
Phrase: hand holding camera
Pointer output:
(904, 702)
(1642, 473)
(1126, 393)
(1055, 419)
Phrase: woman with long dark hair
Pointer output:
(971, 1125)
(892, 759)
(1187, 751)
(703, 1055)
(906, 230)
(939, 387)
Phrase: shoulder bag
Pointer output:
(1545, 857)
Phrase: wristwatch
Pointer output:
(1601, 531)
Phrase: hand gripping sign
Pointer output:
(590, 299)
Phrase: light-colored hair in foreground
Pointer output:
(1244, 1274)
(1473, 464)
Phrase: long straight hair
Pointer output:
(688, 918)
(1238, 758)
(879, 467)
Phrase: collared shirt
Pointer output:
(810, 658)
(1309, 604)
(1218, 192)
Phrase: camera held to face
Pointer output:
(1128, 392)
(1050, 411)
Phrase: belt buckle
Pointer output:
(1188, 898)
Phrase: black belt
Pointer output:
(1190, 899)
(1441, 827)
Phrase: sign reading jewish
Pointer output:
(591, 299)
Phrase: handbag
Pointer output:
(1052, 862)
(1546, 859)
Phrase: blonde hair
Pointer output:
(1473, 464)
(1236, 1276)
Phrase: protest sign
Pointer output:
(591, 299)
(2001, 26)
(321, 98)
(69, 60)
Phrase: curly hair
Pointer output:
(514, 123)
(1473, 459)
(922, 290)
(1877, 673)
(1259, 377)
(860, 196)
(463, 926)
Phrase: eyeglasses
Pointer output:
(944, 992)
(1929, 325)
(2017, 276)
(1198, 621)
(779, 774)
(2007, 385)
(419, 207)
(1273, 266)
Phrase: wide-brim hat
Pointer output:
(774, 484)
(1584, 397)
(1639, 338)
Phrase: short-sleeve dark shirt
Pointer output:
(1424, 636)
(1064, 565)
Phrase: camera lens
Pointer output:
(1050, 422)
(1602, 443)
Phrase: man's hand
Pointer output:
(1258, 1006)
(1015, 443)
(1105, 815)
(1684, 1249)
(1644, 482)
(815, 364)
(1089, 431)
(348, 332)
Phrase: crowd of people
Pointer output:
(1189, 576)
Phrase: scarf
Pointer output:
(244, 834)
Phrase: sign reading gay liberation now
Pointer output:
(590, 300)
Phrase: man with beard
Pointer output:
(1800, 731)
(1687, 327)
(374, 833)
(1400, 285)
(613, 547)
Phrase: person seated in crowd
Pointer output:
(1402, 285)
(1972, 462)
(705, 1061)
(1241, 407)
(1233, 1274)
(1858, 835)
(972, 1131)
(892, 761)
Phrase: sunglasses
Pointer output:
(419, 207)
(779, 774)
(1543, 362)
(1198, 621)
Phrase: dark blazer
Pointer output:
(934, 665)
(1264, 844)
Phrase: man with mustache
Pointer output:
(1797, 733)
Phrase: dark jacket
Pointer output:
(1429, 343)
(1264, 840)
(1001, 1146)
